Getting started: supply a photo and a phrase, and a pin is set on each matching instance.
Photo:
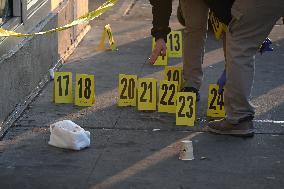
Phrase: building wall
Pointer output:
(28, 61)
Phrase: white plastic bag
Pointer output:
(67, 134)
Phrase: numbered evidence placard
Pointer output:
(167, 96)
(147, 94)
(63, 87)
(127, 87)
(215, 102)
(85, 90)
(185, 109)
(174, 74)
(162, 60)
(107, 31)
(217, 25)
(174, 44)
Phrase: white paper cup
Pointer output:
(186, 150)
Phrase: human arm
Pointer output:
(161, 10)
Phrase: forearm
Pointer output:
(161, 10)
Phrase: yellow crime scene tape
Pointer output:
(86, 18)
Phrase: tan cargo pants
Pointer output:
(251, 24)
(195, 13)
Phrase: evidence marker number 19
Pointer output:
(174, 74)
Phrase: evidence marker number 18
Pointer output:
(85, 90)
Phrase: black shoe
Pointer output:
(193, 90)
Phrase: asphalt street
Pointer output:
(138, 149)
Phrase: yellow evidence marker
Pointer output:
(147, 94)
(174, 44)
(85, 90)
(174, 74)
(167, 96)
(127, 87)
(215, 102)
(186, 108)
(63, 87)
(107, 31)
(217, 25)
(162, 60)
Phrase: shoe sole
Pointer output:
(239, 133)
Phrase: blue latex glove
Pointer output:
(222, 81)
(265, 46)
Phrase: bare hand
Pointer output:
(160, 49)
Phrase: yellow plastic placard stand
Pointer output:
(218, 27)
(127, 87)
(162, 60)
(85, 90)
(167, 96)
(63, 87)
(174, 74)
(107, 32)
(186, 108)
(215, 102)
(147, 94)
(174, 44)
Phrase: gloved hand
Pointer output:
(265, 46)
(160, 49)
(222, 81)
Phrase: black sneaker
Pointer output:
(193, 90)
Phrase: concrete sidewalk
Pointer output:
(125, 152)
